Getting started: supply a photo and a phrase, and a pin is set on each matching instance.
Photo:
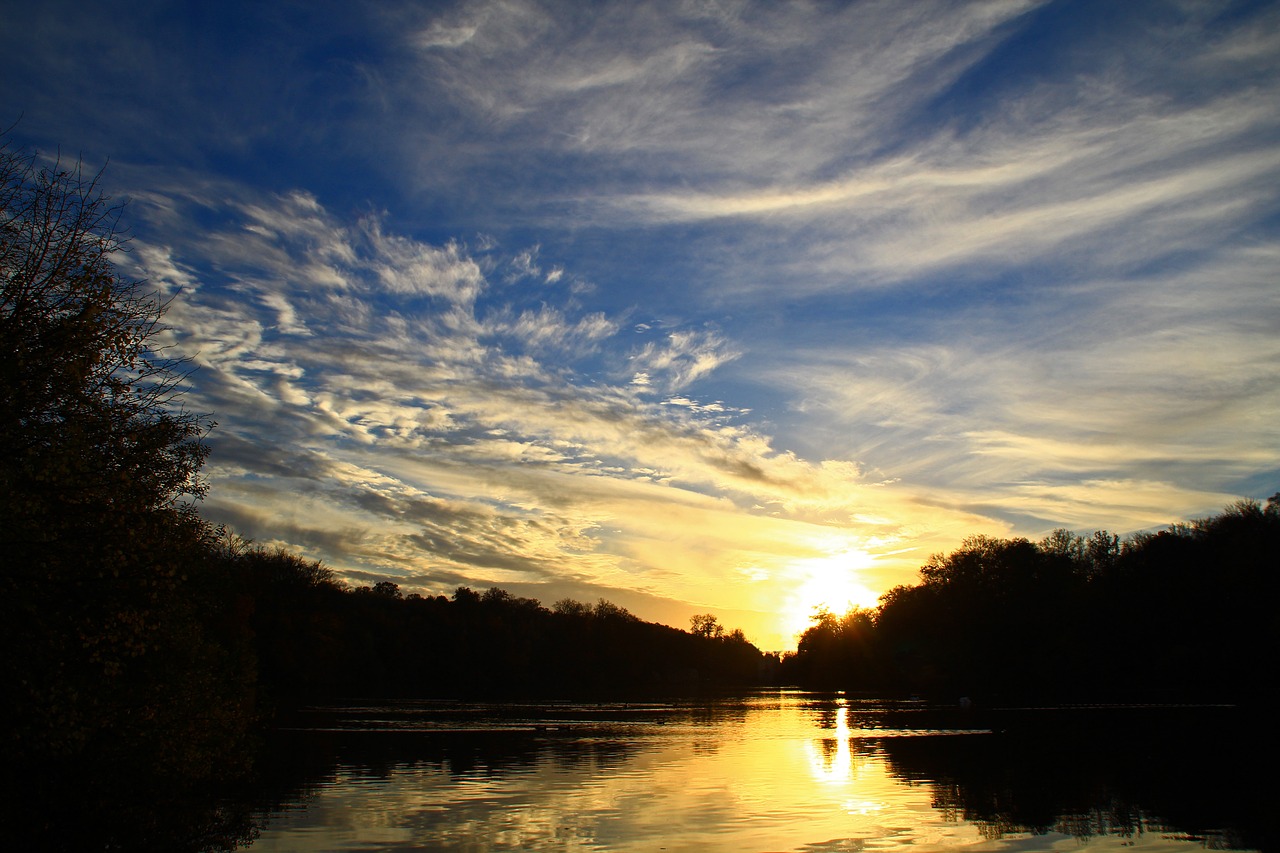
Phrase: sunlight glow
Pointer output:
(832, 582)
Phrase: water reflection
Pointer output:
(831, 758)
(1203, 776)
(835, 761)
(775, 771)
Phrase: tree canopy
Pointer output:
(101, 546)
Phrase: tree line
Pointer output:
(1183, 614)
(313, 638)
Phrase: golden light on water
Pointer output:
(832, 582)
(833, 765)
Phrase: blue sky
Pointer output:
(695, 306)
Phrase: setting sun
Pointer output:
(832, 582)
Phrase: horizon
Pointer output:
(733, 308)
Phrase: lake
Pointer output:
(773, 770)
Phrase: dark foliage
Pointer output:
(1180, 615)
(112, 611)
(316, 640)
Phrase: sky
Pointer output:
(733, 307)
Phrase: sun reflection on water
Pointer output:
(778, 771)
(833, 764)
(831, 759)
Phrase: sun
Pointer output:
(832, 582)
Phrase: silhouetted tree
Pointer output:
(570, 607)
(387, 588)
(838, 651)
(705, 625)
(112, 611)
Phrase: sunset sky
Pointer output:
(723, 307)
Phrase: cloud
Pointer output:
(1089, 190)
(1142, 384)
(674, 93)
(548, 328)
(524, 265)
(410, 268)
(873, 146)
(409, 438)
(682, 358)
(440, 35)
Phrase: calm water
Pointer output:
(772, 771)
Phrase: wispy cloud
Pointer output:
(837, 129)
(430, 441)
(682, 358)
(722, 93)
(1077, 408)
